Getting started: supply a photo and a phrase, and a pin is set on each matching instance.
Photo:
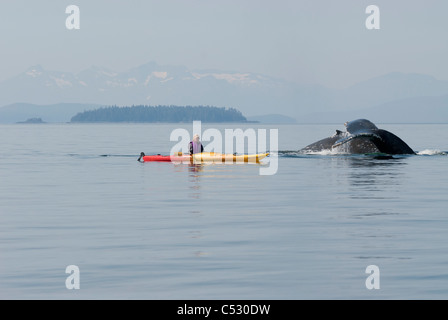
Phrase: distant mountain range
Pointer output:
(56, 96)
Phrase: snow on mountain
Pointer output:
(252, 94)
(146, 84)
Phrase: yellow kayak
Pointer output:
(221, 157)
(204, 157)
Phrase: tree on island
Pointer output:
(171, 114)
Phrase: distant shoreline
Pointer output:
(217, 123)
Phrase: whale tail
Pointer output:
(385, 141)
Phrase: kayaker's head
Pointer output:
(196, 138)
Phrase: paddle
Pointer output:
(141, 156)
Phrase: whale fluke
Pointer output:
(362, 136)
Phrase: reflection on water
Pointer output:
(194, 174)
(371, 177)
(377, 179)
(368, 187)
(194, 168)
(370, 194)
(195, 211)
(375, 213)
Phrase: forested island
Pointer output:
(32, 120)
(167, 114)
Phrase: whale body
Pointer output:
(362, 137)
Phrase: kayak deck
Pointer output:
(205, 157)
(221, 157)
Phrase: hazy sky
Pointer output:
(307, 41)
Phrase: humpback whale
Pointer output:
(361, 137)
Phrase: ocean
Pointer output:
(75, 195)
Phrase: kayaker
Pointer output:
(196, 145)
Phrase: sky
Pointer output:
(304, 41)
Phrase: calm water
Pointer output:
(75, 195)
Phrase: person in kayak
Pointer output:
(196, 145)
